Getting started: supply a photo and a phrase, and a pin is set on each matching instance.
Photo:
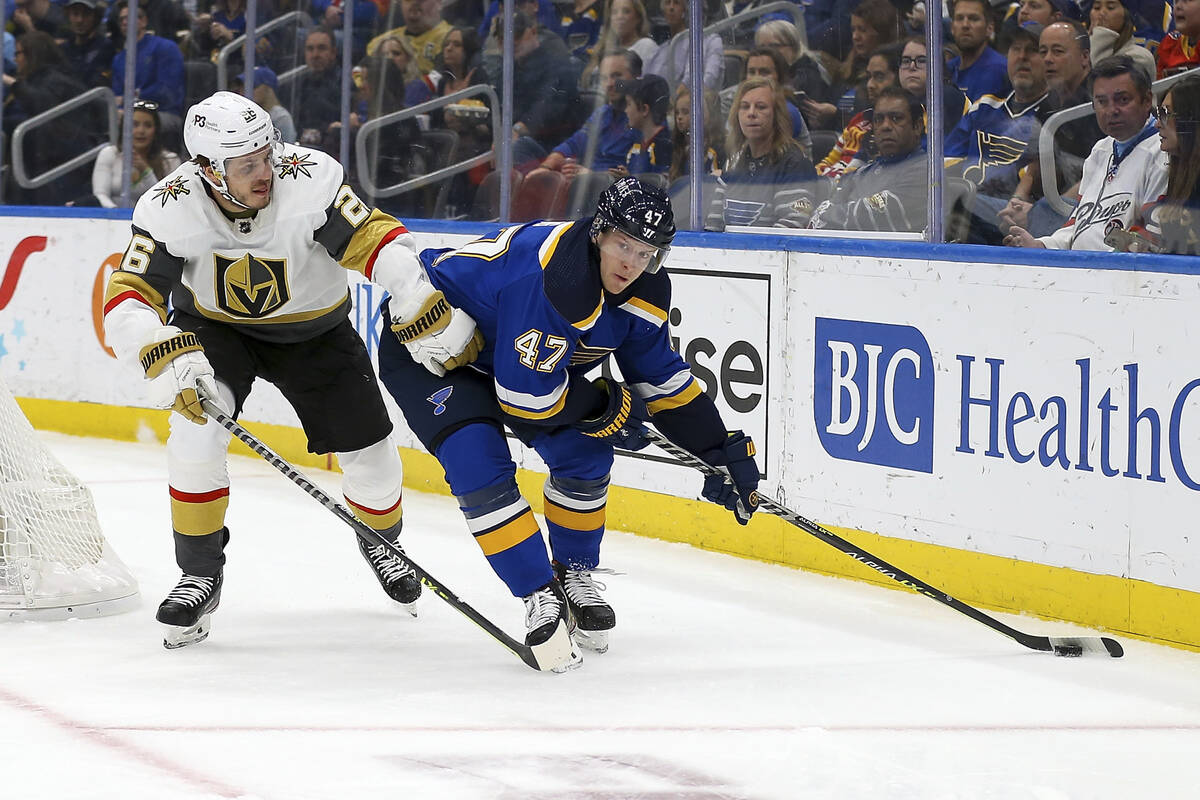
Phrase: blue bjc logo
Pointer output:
(873, 393)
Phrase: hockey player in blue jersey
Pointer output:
(553, 300)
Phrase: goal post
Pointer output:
(54, 560)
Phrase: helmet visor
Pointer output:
(633, 251)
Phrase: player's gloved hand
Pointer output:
(738, 490)
(439, 336)
(178, 372)
(620, 423)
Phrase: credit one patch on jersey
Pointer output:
(251, 287)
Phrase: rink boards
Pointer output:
(1025, 436)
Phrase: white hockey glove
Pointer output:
(439, 336)
(178, 372)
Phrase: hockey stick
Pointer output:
(1059, 645)
(369, 535)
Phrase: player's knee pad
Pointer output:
(476, 456)
(373, 479)
(570, 454)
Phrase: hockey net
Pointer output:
(54, 561)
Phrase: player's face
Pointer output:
(250, 178)
(622, 260)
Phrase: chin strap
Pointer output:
(221, 187)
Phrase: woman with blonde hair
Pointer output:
(681, 135)
(626, 27)
(808, 76)
(767, 180)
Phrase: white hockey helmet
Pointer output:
(225, 126)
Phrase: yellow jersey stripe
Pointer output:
(682, 398)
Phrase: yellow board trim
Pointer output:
(573, 520)
(1124, 606)
(509, 535)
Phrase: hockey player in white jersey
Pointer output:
(237, 269)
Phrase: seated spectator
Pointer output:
(767, 180)
(987, 145)
(458, 68)
(914, 77)
(151, 162)
(604, 140)
(544, 91)
(673, 60)
(806, 74)
(873, 23)
(827, 23)
(769, 63)
(551, 45)
(626, 27)
(39, 15)
(418, 86)
(889, 193)
(853, 147)
(1177, 52)
(647, 101)
(978, 69)
(543, 10)
(210, 32)
(1174, 225)
(681, 139)
(580, 26)
(266, 86)
(1043, 12)
(316, 97)
(1064, 49)
(42, 82)
(329, 13)
(1126, 171)
(89, 52)
(158, 75)
(165, 18)
(423, 28)
(1112, 35)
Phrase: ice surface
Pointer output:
(726, 679)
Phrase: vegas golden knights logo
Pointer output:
(251, 287)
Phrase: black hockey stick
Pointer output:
(369, 535)
(1059, 645)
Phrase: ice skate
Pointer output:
(594, 618)
(548, 624)
(396, 577)
(187, 610)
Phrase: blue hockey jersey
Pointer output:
(989, 140)
(536, 295)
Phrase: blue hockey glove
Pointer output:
(620, 424)
(738, 489)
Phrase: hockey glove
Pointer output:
(439, 336)
(737, 490)
(178, 372)
(620, 423)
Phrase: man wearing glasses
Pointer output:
(553, 301)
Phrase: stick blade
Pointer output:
(1075, 646)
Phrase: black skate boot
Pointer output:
(396, 577)
(548, 624)
(188, 609)
(594, 618)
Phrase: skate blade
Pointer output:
(177, 637)
(558, 653)
(411, 608)
(596, 641)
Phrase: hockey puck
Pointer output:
(1068, 650)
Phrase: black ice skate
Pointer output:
(594, 618)
(187, 611)
(396, 577)
(548, 624)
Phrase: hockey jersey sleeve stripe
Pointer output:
(368, 239)
(124, 286)
(546, 251)
(525, 413)
(680, 398)
(647, 311)
(650, 391)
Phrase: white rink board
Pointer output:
(756, 334)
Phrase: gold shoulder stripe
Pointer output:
(365, 241)
(546, 251)
(125, 285)
(649, 308)
(682, 398)
(584, 324)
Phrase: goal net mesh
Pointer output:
(53, 556)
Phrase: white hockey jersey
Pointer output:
(1112, 193)
(280, 276)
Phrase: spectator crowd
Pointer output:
(812, 119)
